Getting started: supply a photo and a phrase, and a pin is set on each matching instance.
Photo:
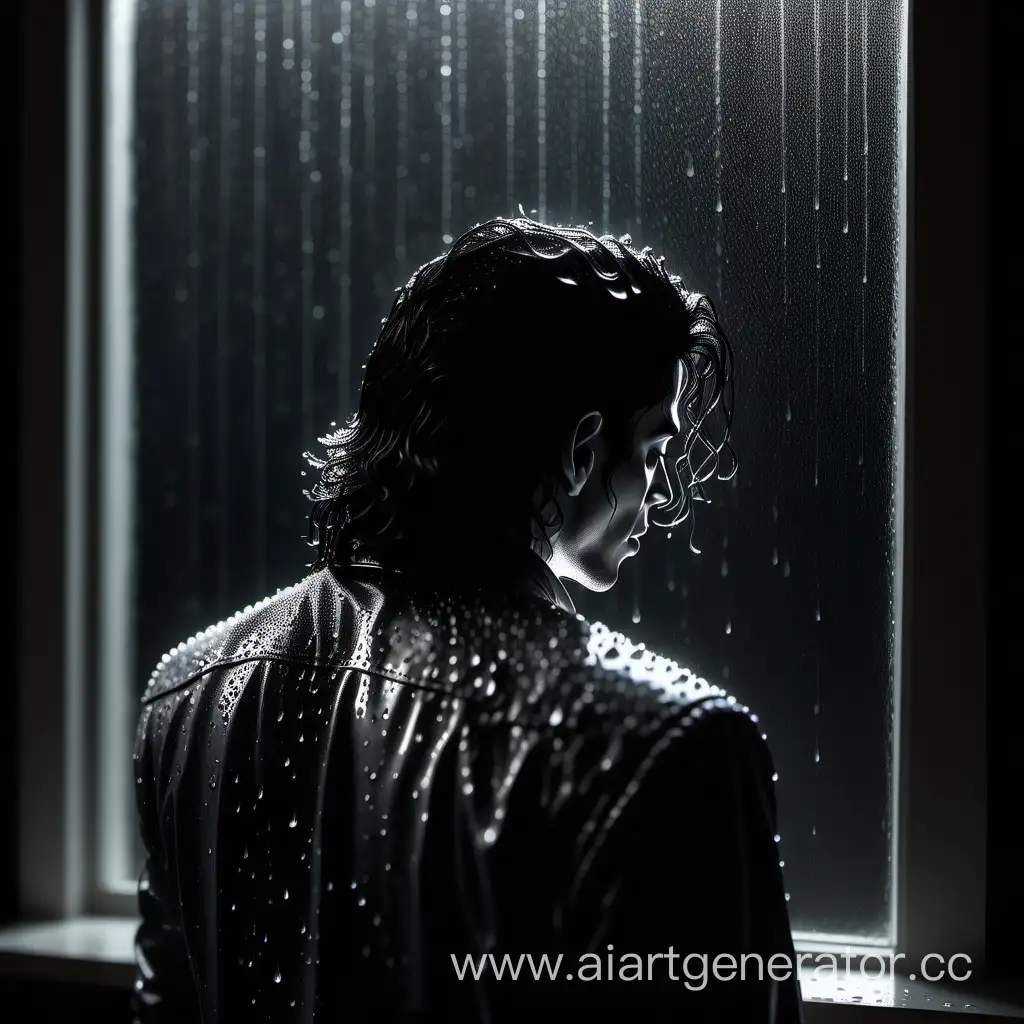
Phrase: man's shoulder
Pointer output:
(249, 633)
(571, 674)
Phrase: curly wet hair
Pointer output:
(488, 354)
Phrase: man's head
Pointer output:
(528, 387)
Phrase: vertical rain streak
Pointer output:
(259, 325)
(191, 293)
(169, 124)
(606, 105)
(864, 241)
(542, 111)
(718, 147)
(369, 175)
(462, 89)
(402, 130)
(462, 45)
(445, 71)
(346, 57)
(574, 143)
(846, 117)
(225, 167)
(638, 123)
(864, 113)
(782, 147)
(309, 177)
(817, 229)
(510, 106)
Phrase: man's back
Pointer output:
(354, 786)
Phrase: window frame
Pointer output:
(70, 702)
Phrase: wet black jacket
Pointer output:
(351, 787)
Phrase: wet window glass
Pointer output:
(289, 163)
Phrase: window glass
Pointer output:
(293, 162)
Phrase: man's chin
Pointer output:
(598, 580)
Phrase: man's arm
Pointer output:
(165, 988)
(689, 865)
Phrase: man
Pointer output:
(420, 753)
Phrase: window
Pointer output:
(292, 163)
(273, 170)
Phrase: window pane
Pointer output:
(294, 162)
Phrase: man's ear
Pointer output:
(579, 460)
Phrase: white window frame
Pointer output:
(76, 456)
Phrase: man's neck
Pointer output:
(503, 563)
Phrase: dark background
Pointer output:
(34, 106)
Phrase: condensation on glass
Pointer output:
(295, 160)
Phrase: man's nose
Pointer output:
(661, 485)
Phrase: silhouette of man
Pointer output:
(420, 754)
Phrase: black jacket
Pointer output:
(351, 787)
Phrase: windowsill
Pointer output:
(88, 950)
(99, 951)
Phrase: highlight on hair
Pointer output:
(488, 351)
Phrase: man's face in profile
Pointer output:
(596, 534)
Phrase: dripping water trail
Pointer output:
(259, 362)
(446, 124)
(346, 382)
(864, 114)
(846, 116)
(309, 177)
(462, 63)
(782, 186)
(510, 106)
(817, 227)
(574, 140)
(864, 243)
(718, 145)
(542, 111)
(223, 294)
(782, 147)
(402, 129)
(606, 103)
(344, 282)
(638, 100)
(192, 248)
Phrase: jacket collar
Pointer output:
(517, 568)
